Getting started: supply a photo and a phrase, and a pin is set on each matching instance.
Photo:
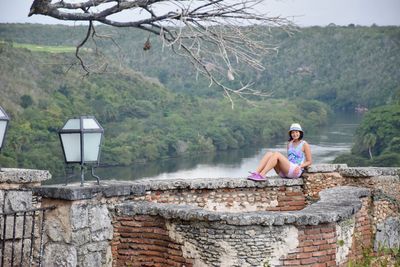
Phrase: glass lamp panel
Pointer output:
(72, 146)
(3, 125)
(91, 145)
(2, 115)
(90, 123)
(72, 124)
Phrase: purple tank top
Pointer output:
(296, 154)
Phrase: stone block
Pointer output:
(388, 234)
(16, 200)
(79, 217)
(21, 176)
(92, 260)
(81, 237)
(60, 255)
(321, 168)
(100, 223)
(360, 172)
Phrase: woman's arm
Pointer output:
(307, 152)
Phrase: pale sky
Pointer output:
(302, 12)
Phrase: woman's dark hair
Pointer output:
(290, 136)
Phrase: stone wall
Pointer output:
(384, 184)
(80, 230)
(78, 233)
(228, 195)
(15, 196)
(224, 222)
(263, 238)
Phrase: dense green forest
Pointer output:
(152, 105)
(342, 66)
(377, 139)
(143, 120)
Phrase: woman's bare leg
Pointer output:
(264, 161)
(277, 161)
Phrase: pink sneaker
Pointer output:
(256, 177)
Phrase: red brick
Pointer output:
(124, 218)
(273, 208)
(294, 194)
(312, 231)
(310, 249)
(324, 259)
(144, 235)
(290, 198)
(328, 235)
(309, 261)
(291, 256)
(319, 253)
(126, 252)
(304, 255)
(306, 243)
(291, 208)
(143, 223)
(331, 263)
(296, 203)
(156, 230)
(328, 229)
(327, 246)
(331, 240)
(291, 262)
(319, 242)
(318, 265)
(314, 237)
(176, 258)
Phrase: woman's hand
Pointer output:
(297, 170)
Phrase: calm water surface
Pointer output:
(330, 141)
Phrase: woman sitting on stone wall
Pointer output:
(299, 157)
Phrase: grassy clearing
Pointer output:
(44, 48)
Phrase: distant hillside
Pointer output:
(341, 66)
(143, 120)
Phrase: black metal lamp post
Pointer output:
(4, 119)
(81, 140)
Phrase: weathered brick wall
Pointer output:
(317, 247)
(143, 240)
(381, 180)
(205, 238)
(282, 198)
(362, 237)
(316, 182)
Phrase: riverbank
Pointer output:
(327, 142)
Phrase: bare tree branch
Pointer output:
(216, 36)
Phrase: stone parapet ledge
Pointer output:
(360, 172)
(138, 188)
(336, 204)
(214, 183)
(324, 168)
(23, 176)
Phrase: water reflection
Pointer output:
(326, 144)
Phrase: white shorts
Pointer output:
(294, 172)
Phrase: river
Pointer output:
(327, 143)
